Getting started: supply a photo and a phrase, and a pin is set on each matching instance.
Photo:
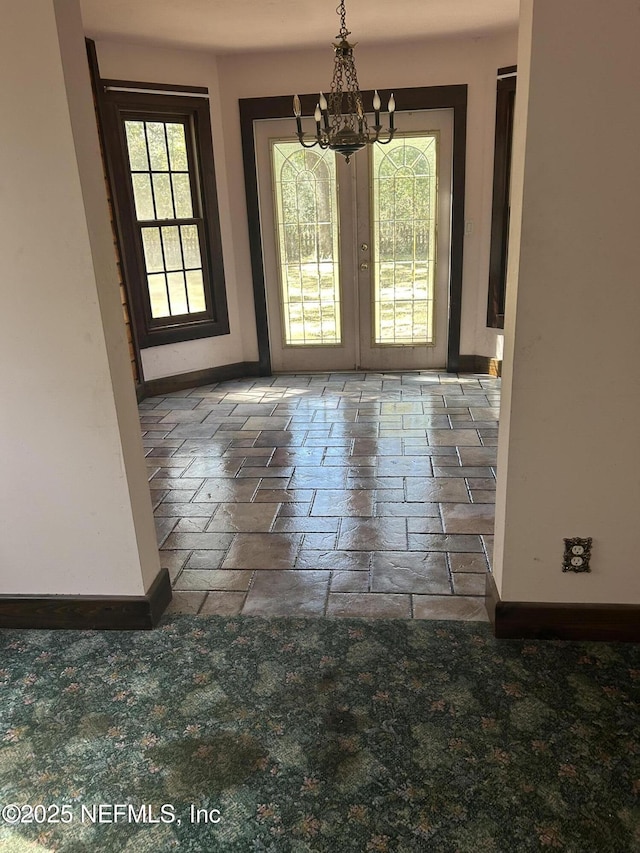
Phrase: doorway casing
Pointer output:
(418, 98)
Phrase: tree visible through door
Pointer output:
(357, 256)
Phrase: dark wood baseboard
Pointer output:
(535, 620)
(196, 378)
(480, 364)
(119, 613)
(242, 369)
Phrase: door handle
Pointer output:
(364, 265)
(364, 247)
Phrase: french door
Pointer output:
(357, 256)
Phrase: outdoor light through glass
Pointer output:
(341, 123)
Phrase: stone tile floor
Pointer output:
(337, 494)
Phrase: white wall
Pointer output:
(74, 503)
(190, 68)
(231, 77)
(569, 463)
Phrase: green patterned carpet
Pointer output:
(317, 735)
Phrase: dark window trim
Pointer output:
(195, 110)
(505, 104)
(419, 98)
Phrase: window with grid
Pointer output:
(168, 212)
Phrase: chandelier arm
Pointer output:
(384, 141)
(306, 145)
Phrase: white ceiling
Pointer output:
(226, 26)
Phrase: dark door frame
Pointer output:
(500, 209)
(419, 98)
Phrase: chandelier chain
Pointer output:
(342, 12)
(341, 122)
(347, 110)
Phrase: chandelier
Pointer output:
(341, 123)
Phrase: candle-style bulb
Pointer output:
(317, 114)
(392, 104)
(376, 101)
(323, 102)
(297, 109)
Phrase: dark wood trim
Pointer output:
(197, 378)
(419, 98)
(159, 596)
(533, 620)
(250, 111)
(480, 364)
(242, 369)
(509, 69)
(100, 612)
(505, 105)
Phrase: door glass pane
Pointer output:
(307, 237)
(404, 189)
